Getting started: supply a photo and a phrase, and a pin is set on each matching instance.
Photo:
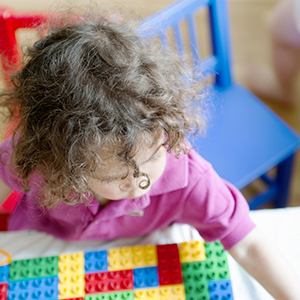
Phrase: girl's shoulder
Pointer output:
(181, 173)
(8, 176)
(6, 149)
(190, 162)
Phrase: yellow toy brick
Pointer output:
(168, 292)
(132, 257)
(71, 275)
(147, 294)
(172, 292)
(192, 251)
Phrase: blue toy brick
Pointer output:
(96, 261)
(220, 290)
(145, 277)
(4, 273)
(33, 289)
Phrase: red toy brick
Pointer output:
(169, 267)
(108, 281)
(3, 291)
(81, 298)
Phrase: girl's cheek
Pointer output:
(159, 167)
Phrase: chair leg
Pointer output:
(283, 179)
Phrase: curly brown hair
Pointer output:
(90, 85)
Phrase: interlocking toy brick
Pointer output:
(192, 251)
(3, 291)
(147, 294)
(126, 295)
(170, 292)
(145, 277)
(216, 262)
(169, 267)
(34, 268)
(4, 273)
(194, 278)
(132, 257)
(220, 290)
(108, 281)
(128, 273)
(95, 261)
(33, 289)
(71, 275)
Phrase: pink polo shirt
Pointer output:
(189, 191)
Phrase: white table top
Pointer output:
(281, 225)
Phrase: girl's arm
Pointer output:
(4, 191)
(260, 258)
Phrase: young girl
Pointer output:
(100, 151)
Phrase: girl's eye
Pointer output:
(156, 156)
(108, 180)
(113, 179)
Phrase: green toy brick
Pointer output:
(194, 278)
(216, 263)
(126, 295)
(34, 268)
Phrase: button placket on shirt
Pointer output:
(102, 222)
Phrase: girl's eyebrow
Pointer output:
(111, 178)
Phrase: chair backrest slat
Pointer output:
(219, 26)
(164, 39)
(171, 15)
(178, 38)
(207, 67)
(219, 62)
(194, 42)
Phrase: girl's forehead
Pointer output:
(145, 145)
(112, 164)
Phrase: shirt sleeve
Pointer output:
(9, 177)
(216, 208)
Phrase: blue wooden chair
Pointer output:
(245, 139)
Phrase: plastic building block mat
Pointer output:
(188, 271)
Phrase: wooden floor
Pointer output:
(250, 40)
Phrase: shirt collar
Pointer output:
(94, 205)
(122, 207)
(175, 176)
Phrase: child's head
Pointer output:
(92, 92)
(114, 181)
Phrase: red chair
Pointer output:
(10, 55)
(9, 23)
(7, 207)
